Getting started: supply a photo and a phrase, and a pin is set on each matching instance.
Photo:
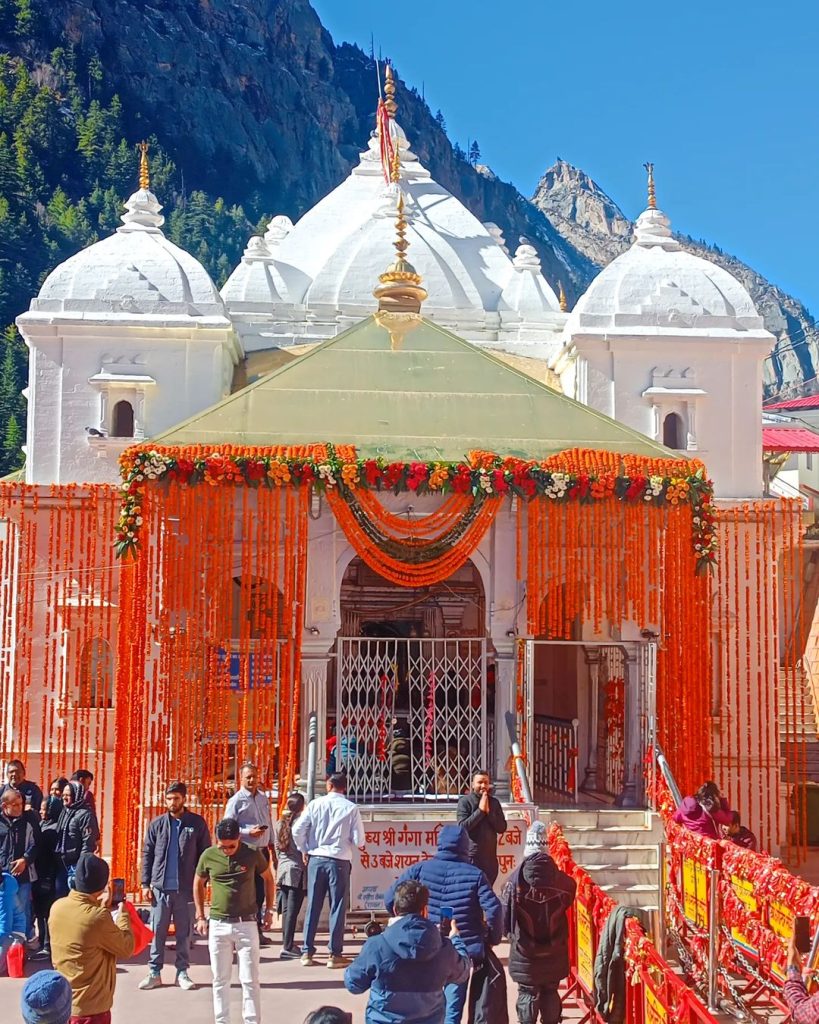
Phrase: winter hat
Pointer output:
(536, 839)
(91, 874)
(46, 999)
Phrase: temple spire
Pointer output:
(652, 195)
(144, 169)
(564, 305)
(399, 292)
(389, 92)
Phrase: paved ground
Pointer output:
(289, 992)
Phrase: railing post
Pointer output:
(312, 744)
(713, 935)
(661, 910)
(590, 784)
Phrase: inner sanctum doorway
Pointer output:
(411, 699)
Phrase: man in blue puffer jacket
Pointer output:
(454, 882)
(408, 965)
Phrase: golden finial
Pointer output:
(400, 292)
(564, 305)
(395, 168)
(652, 195)
(389, 92)
(144, 171)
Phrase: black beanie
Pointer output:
(91, 874)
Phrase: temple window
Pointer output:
(122, 420)
(96, 674)
(673, 431)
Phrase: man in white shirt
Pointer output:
(329, 832)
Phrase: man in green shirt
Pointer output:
(231, 867)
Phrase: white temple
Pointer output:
(131, 336)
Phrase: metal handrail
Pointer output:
(668, 775)
(517, 757)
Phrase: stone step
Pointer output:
(625, 854)
(624, 876)
(645, 896)
(609, 817)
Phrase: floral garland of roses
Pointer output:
(484, 474)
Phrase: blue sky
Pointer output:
(722, 96)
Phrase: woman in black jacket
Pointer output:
(77, 832)
(47, 862)
(291, 875)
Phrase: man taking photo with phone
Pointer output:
(803, 1006)
(174, 843)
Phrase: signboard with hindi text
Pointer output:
(585, 946)
(391, 847)
(781, 922)
(695, 892)
(744, 892)
(654, 1012)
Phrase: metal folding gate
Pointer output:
(411, 715)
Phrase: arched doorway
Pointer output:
(411, 698)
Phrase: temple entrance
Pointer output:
(590, 713)
(411, 702)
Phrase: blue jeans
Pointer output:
(326, 875)
(64, 881)
(24, 906)
(169, 906)
(455, 998)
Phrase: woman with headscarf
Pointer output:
(291, 875)
(47, 863)
(77, 833)
(704, 812)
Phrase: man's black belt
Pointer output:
(234, 920)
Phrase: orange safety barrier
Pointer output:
(655, 994)
(757, 899)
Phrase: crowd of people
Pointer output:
(433, 958)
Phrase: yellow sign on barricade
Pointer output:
(744, 891)
(780, 921)
(585, 946)
(654, 1012)
(695, 892)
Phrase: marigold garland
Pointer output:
(584, 476)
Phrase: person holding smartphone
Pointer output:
(250, 806)
(86, 941)
(803, 1006)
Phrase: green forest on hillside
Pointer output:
(67, 164)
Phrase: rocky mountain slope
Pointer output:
(596, 227)
(255, 111)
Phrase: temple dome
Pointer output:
(656, 284)
(342, 243)
(136, 271)
(527, 292)
(261, 278)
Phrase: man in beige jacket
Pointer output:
(86, 942)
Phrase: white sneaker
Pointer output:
(184, 982)
(152, 981)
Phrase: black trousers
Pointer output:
(542, 1000)
(292, 899)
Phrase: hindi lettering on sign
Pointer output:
(744, 891)
(654, 1012)
(389, 850)
(695, 892)
(585, 947)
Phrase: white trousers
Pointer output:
(223, 938)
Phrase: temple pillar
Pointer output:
(590, 781)
(314, 664)
(632, 754)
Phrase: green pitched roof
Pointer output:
(436, 397)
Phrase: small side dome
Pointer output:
(527, 292)
(135, 271)
(657, 284)
(261, 279)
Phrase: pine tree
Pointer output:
(439, 119)
(474, 153)
(12, 443)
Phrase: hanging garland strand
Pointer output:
(577, 475)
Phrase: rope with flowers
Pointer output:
(585, 476)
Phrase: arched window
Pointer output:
(97, 674)
(673, 431)
(122, 420)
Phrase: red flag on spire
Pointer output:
(385, 139)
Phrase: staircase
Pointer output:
(617, 847)
(802, 724)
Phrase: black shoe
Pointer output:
(264, 940)
(290, 954)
